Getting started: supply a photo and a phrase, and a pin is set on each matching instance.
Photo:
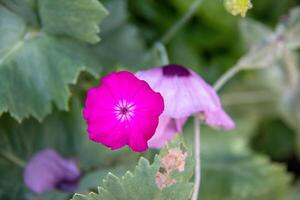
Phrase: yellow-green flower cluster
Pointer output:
(238, 7)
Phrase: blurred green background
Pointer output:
(258, 160)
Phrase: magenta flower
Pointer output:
(185, 93)
(123, 110)
(47, 171)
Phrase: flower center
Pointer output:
(175, 70)
(124, 110)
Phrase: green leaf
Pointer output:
(12, 29)
(231, 171)
(74, 18)
(244, 178)
(36, 68)
(91, 180)
(138, 185)
(25, 8)
(63, 131)
(142, 183)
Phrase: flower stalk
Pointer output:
(181, 22)
(291, 68)
(197, 148)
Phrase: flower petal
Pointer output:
(99, 102)
(137, 140)
(180, 123)
(166, 130)
(220, 119)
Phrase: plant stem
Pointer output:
(226, 77)
(162, 53)
(12, 158)
(291, 68)
(197, 158)
(181, 22)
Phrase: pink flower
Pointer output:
(47, 171)
(123, 110)
(185, 93)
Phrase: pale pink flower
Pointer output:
(185, 93)
(123, 110)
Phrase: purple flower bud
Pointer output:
(185, 93)
(47, 170)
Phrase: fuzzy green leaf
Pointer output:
(36, 68)
(25, 9)
(74, 18)
(138, 185)
(142, 183)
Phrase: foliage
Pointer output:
(51, 51)
(142, 184)
(37, 64)
(236, 172)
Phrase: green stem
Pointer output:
(12, 158)
(162, 53)
(181, 22)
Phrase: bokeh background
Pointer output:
(260, 159)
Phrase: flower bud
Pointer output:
(236, 7)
